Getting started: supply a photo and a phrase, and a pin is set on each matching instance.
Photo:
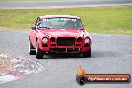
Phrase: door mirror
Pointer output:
(33, 28)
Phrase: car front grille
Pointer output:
(65, 41)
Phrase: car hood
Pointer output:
(63, 32)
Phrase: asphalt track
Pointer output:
(110, 54)
(63, 4)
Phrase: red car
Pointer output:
(59, 34)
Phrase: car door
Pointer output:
(34, 33)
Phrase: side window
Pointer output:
(37, 21)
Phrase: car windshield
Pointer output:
(61, 23)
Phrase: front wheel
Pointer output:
(87, 54)
(31, 48)
(39, 53)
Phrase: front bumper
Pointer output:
(65, 49)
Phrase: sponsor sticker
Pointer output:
(82, 77)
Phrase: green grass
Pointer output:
(113, 20)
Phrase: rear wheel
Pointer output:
(31, 48)
(87, 54)
(39, 53)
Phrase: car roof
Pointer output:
(54, 16)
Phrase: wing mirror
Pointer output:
(33, 28)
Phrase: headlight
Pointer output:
(87, 40)
(45, 40)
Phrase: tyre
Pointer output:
(87, 54)
(31, 48)
(39, 53)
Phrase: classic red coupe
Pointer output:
(59, 34)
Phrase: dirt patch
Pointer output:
(5, 64)
(13, 68)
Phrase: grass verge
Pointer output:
(113, 20)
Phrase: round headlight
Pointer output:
(45, 40)
(87, 40)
